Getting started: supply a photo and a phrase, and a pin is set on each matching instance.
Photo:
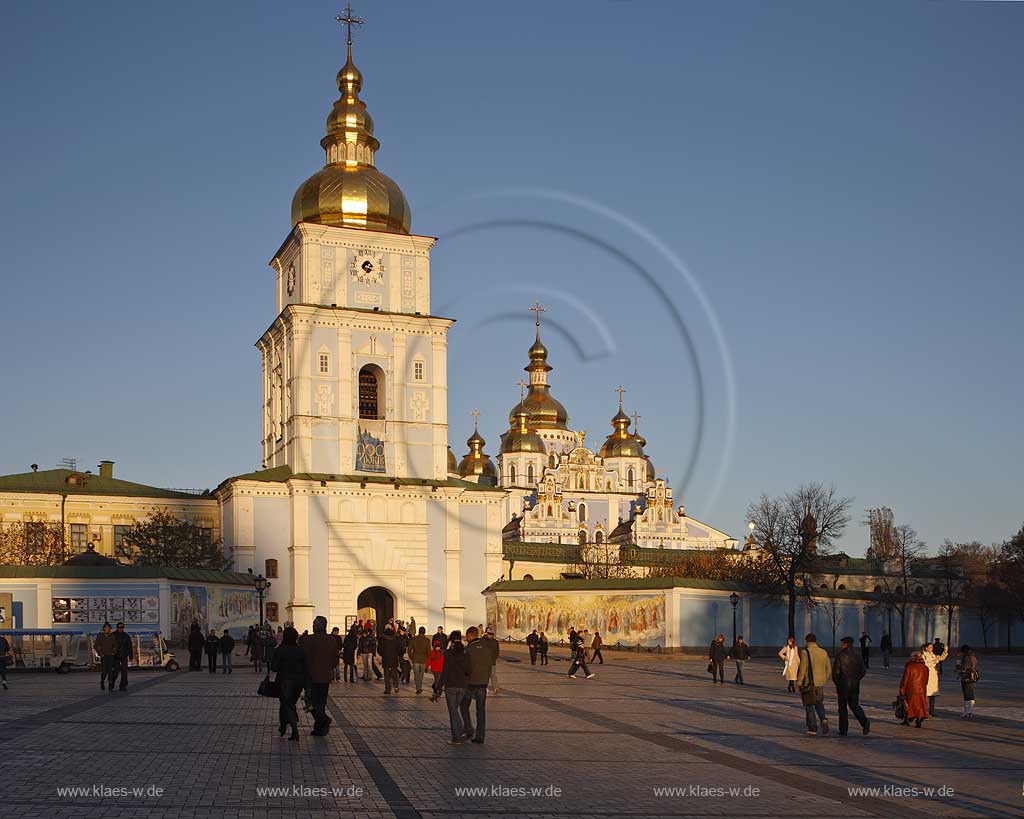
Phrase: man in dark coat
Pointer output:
(348, 652)
(847, 673)
(404, 663)
(865, 649)
(439, 634)
(886, 646)
(531, 643)
(227, 648)
(212, 650)
(125, 652)
(196, 642)
(716, 657)
(938, 647)
(105, 645)
(454, 675)
(479, 656)
(739, 653)
(321, 652)
(390, 650)
(336, 636)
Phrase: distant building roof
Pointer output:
(282, 474)
(72, 482)
(123, 572)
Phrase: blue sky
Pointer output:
(840, 186)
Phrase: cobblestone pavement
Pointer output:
(600, 747)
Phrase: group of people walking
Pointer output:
(808, 669)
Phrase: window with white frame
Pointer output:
(325, 363)
(79, 536)
(418, 370)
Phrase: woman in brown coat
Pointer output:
(914, 688)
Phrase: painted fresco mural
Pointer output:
(625, 618)
(213, 607)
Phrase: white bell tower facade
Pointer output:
(354, 366)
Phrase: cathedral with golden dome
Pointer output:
(560, 491)
(361, 507)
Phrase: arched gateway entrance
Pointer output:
(378, 604)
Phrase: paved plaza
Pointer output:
(601, 747)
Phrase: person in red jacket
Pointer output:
(435, 664)
(914, 689)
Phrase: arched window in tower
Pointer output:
(552, 462)
(271, 613)
(599, 537)
(529, 474)
(583, 512)
(629, 478)
(550, 511)
(371, 392)
(512, 473)
(583, 537)
(270, 567)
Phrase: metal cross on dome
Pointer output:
(349, 21)
(620, 389)
(476, 418)
(538, 310)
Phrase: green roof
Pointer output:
(616, 584)
(127, 573)
(55, 482)
(540, 552)
(570, 553)
(283, 474)
(658, 583)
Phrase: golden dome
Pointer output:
(520, 438)
(349, 191)
(544, 411)
(453, 464)
(476, 464)
(651, 475)
(621, 443)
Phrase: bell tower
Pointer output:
(354, 365)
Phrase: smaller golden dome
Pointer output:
(520, 438)
(651, 475)
(621, 443)
(476, 464)
(453, 464)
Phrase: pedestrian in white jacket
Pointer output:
(931, 659)
(790, 655)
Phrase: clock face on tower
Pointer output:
(368, 267)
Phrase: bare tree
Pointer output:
(162, 539)
(32, 543)
(794, 528)
(600, 561)
(1009, 574)
(896, 573)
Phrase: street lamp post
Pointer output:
(734, 599)
(262, 584)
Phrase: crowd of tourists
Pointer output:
(807, 670)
